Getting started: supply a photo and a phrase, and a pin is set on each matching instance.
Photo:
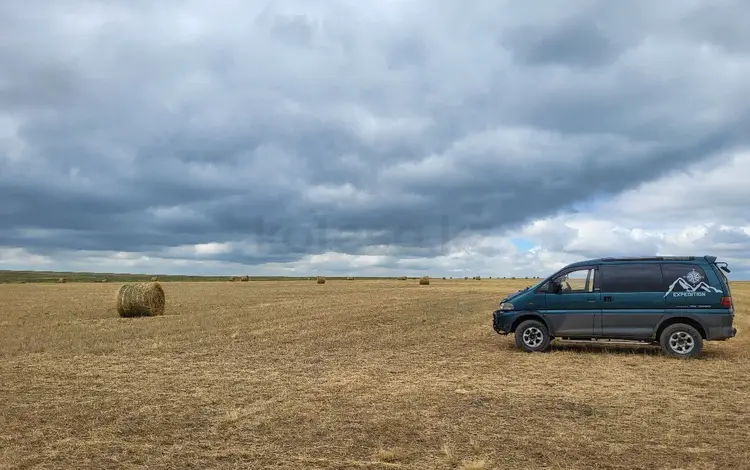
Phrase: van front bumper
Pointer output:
(501, 321)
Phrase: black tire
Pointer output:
(681, 340)
(532, 336)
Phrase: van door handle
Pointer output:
(607, 298)
(592, 299)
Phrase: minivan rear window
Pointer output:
(689, 273)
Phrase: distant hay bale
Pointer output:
(402, 278)
(232, 279)
(245, 278)
(444, 278)
(142, 299)
(466, 277)
(349, 278)
(321, 280)
(155, 279)
(105, 280)
(424, 281)
(478, 278)
(61, 280)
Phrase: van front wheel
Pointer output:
(681, 340)
(532, 336)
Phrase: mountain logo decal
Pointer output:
(690, 285)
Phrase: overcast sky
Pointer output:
(378, 137)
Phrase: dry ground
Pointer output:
(347, 375)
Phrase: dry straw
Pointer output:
(321, 280)
(425, 281)
(142, 299)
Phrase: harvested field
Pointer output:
(362, 374)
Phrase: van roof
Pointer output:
(699, 259)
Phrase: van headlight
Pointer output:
(506, 306)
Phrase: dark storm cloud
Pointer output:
(283, 127)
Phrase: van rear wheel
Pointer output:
(532, 336)
(681, 340)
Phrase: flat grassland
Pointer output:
(356, 374)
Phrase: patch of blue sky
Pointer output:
(523, 244)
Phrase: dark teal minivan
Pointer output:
(677, 302)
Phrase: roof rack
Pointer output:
(651, 258)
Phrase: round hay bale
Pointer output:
(321, 280)
(444, 278)
(402, 278)
(245, 278)
(105, 280)
(425, 281)
(142, 299)
(61, 280)
(478, 278)
(349, 278)
(154, 279)
(466, 277)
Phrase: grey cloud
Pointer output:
(408, 50)
(266, 114)
(731, 236)
(728, 242)
(722, 23)
(578, 43)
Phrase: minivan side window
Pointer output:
(673, 272)
(632, 277)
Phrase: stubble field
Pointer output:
(348, 375)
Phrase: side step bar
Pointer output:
(604, 341)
